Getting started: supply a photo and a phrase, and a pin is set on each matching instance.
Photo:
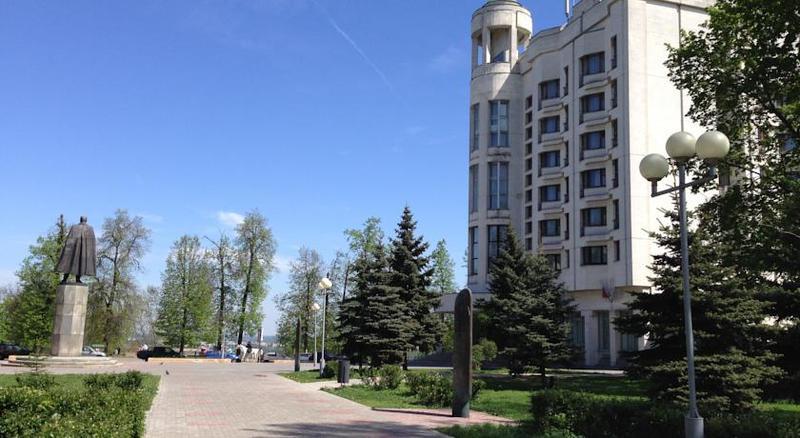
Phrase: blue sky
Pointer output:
(189, 113)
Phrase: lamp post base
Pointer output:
(693, 427)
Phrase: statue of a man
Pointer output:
(78, 257)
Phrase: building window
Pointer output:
(554, 260)
(548, 125)
(614, 51)
(550, 228)
(592, 103)
(566, 153)
(528, 164)
(566, 226)
(549, 159)
(614, 93)
(566, 258)
(603, 331)
(528, 195)
(528, 212)
(616, 250)
(548, 90)
(593, 178)
(501, 56)
(616, 214)
(549, 193)
(615, 166)
(528, 180)
(498, 123)
(566, 81)
(528, 227)
(497, 238)
(528, 133)
(593, 64)
(614, 133)
(566, 118)
(528, 102)
(576, 330)
(528, 244)
(473, 251)
(566, 190)
(593, 140)
(528, 148)
(475, 120)
(628, 342)
(473, 188)
(528, 117)
(498, 185)
(594, 255)
(593, 217)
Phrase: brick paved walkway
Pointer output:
(251, 400)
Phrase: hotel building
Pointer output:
(559, 120)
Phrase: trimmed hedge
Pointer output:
(591, 415)
(107, 407)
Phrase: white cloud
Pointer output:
(153, 218)
(282, 263)
(448, 60)
(230, 218)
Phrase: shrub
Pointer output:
(430, 388)
(331, 370)
(385, 377)
(477, 387)
(130, 380)
(591, 415)
(36, 380)
(483, 351)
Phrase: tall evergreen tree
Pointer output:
(386, 319)
(185, 308)
(443, 279)
(731, 338)
(411, 275)
(529, 312)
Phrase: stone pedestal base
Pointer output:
(67, 340)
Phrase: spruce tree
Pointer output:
(732, 359)
(386, 319)
(411, 275)
(350, 320)
(529, 311)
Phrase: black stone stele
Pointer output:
(78, 257)
(462, 356)
(297, 346)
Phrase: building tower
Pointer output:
(500, 32)
(559, 121)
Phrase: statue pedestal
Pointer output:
(67, 340)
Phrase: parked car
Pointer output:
(12, 350)
(216, 355)
(157, 352)
(91, 351)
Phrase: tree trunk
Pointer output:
(221, 319)
(244, 295)
(543, 374)
(110, 301)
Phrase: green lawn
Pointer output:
(503, 396)
(75, 382)
(307, 376)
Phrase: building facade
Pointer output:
(559, 121)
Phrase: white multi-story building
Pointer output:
(559, 121)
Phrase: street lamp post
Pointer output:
(681, 147)
(315, 306)
(324, 284)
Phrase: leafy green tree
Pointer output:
(31, 309)
(731, 338)
(256, 249)
(224, 274)
(529, 311)
(185, 308)
(741, 72)
(411, 275)
(305, 273)
(444, 279)
(122, 244)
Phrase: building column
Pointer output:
(613, 339)
(514, 55)
(589, 337)
(487, 45)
